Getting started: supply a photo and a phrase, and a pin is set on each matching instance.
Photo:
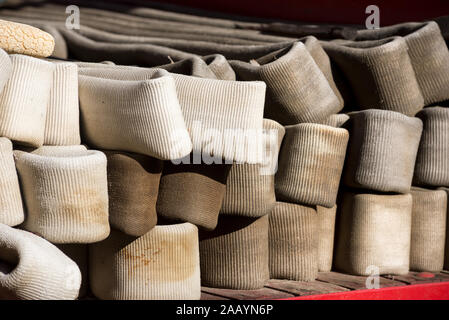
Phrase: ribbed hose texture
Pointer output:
(326, 233)
(432, 161)
(192, 193)
(124, 25)
(382, 150)
(297, 90)
(194, 66)
(428, 229)
(446, 250)
(78, 253)
(24, 100)
(66, 197)
(228, 110)
(310, 164)
(37, 269)
(250, 187)
(248, 193)
(220, 67)
(428, 54)
(5, 68)
(373, 234)
(135, 116)
(336, 120)
(133, 185)
(430, 59)
(323, 62)
(163, 264)
(60, 50)
(60, 151)
(293, 240)
(304, 92)
(62, 125)
(235, 254)
(11, 209)
(380, 74)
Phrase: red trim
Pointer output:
(428, 291)
(426, 275)
(326, 11)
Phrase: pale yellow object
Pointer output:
(24, 39)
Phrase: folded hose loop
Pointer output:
(34, 269)
(24, 100)
(65, 196)
(163, 264)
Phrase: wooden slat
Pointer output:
(354, 282)
(259, 294)
(301, 288)
(327, 282)
(415, 278)
(208, 296)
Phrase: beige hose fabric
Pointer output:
(11, 208)
(59, 151)
(31, 268)
(163, 264)
(66, 196)
(432, 161)
(326, 234)
(250, 187)
(310, 164)
(428, 54)
(5, 68)
(220, 67)
(181, 154)
(368, 224)
(235, 254)
(133, 185)
(78, 253)
(336, 120)
(294, 94)
(379, 73)
(62, 125)
(31, 80)
(429, 216)
(446, 250)
(136, 116)
(382, 150)
(194, 66)
(192, 193)
(226, 111)
(293, 240)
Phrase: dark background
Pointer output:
(326, 11)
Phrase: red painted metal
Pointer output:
(426, 275)
(326, 11)
(428, 291)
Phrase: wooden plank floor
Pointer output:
(327, 282)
